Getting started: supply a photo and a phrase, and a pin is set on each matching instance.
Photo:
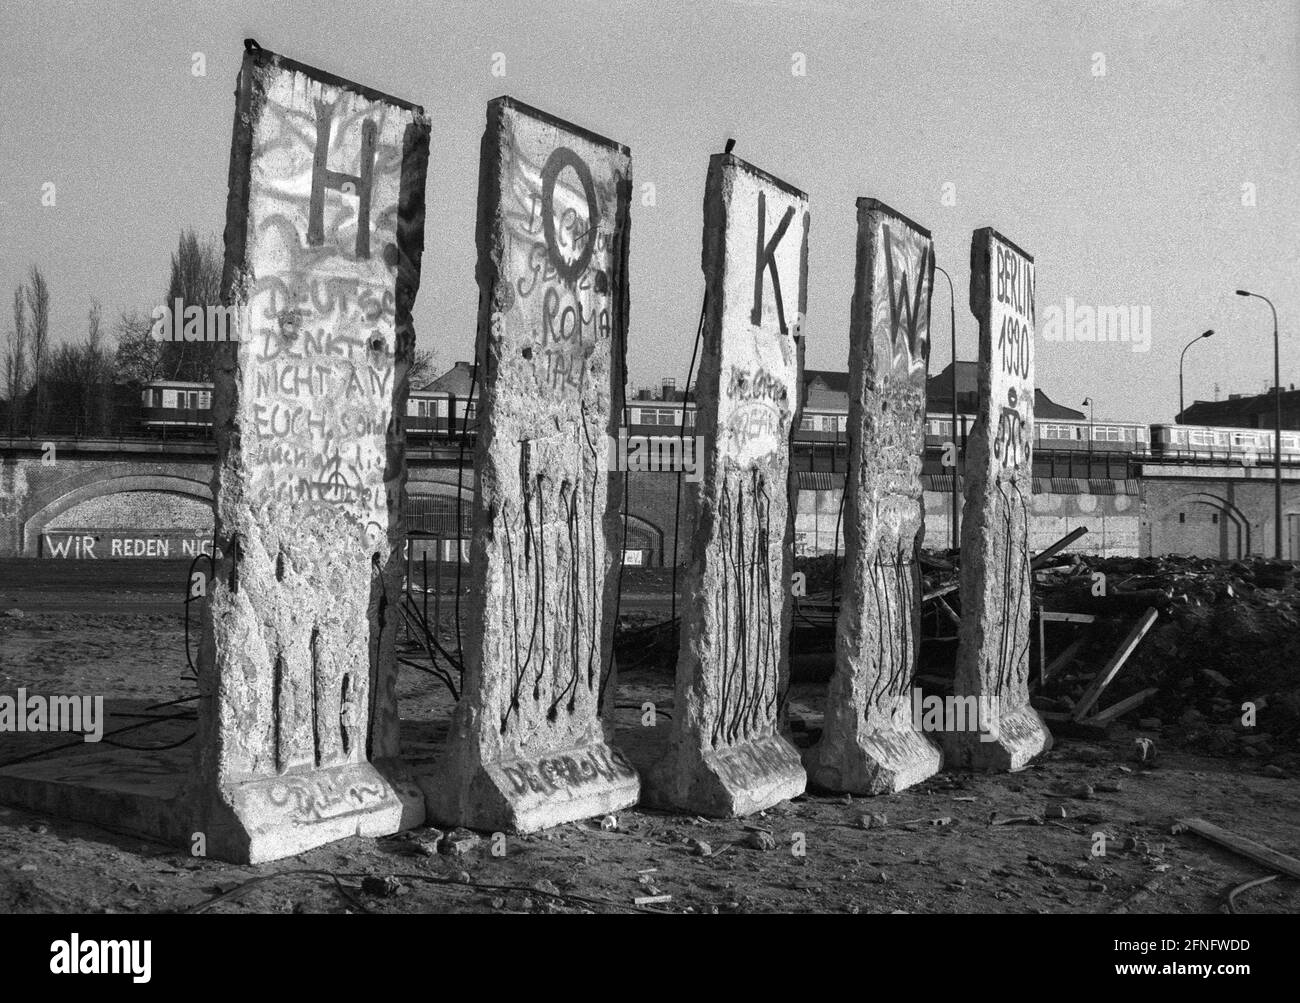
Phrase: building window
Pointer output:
(1182, 516)
(1214, 519)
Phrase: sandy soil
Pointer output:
(957, 843)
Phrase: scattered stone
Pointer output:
(546, 886)
(459, 842)
(1272, 770)
(699, 848)
(609, 823)
(15, 613)
(872, 821)
(758, 839)
(382, 888)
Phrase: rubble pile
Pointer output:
(1224, 653)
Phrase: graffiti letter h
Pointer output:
(322, 177)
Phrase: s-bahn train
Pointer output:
(174, 409)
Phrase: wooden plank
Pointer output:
(1052, 616)
(1057, 547)
(942, 591)
(1244, 847)
(1063, 659)
(1111, 670)
(1122, 707)
(948, 611)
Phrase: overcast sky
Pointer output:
(1127, 187)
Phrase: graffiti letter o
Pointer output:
(564, 157)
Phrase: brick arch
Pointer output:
(172, 484)
(1231, 513)
(637, 526)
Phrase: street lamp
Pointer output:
(1180, 372)
(952, 331)
(1087, 402)
(1277, 426)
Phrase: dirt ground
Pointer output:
(966, 843)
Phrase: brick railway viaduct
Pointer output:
(164, 488)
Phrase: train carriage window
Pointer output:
(169, 398)
(205, 400)
(806, 425)
(194, 400)
(829, 423)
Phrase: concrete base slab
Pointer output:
(273, 817)
(880, 762)
(729, 783)
(149, 794)
(122, 790)
(526, 795)
(1020, 737)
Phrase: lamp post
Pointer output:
(1180, 372)
(1277, 426)
(952, 332)
(1087, 402)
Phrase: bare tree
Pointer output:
(422, 367)
(139, 353)
(79, 379)
(15, 369)
(38, 303)
(195, 280)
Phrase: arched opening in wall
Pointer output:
(645, 544)
(146, 516)
(1201, 524)
(1291, 534)
(438, 521)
